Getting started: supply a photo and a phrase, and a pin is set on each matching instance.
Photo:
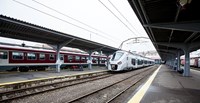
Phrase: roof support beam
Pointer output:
(66, 42)
(190, 37)
(176, 18)
(142, 16)
(170, 51)
(181, 26)
(146, 19)
(194, 45)
(98, 49)
(170, 54)
(195, 38)
(183, 46)
(175, 45)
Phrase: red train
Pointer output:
(194, 61)
(14, 58)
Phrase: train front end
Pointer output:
(117, 61)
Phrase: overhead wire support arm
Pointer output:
(136, 38)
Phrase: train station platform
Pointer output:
(169, 86)
(14, 77)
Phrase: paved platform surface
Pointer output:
(22, 76)
(171, 87)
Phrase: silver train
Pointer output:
(123, 60)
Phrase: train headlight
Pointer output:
(119, 63)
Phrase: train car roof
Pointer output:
(135, 54)
(18, 48)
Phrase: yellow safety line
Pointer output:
(139, 95)
(54, 77)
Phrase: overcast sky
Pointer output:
(94, 20)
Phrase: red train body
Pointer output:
(12, 57)
(194, 62)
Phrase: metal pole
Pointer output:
(58, 59)
(187, 63)
(178, 61)
(90, 60)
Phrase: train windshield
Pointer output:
(117, 56)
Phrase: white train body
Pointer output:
(123, 60)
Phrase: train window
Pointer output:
(103, 60)
(31, 56)
(61, 57)
(42, 56)
(77, 58)
(51, 57)
(83, 58)
(95, 58)
(70, 57)
(140, 62)
(145, 62)
(133, 61)
(117, 56)
(18, 55)
(3, 55)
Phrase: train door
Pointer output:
(3, 57)
(62, 58)
(136, 62)
(128, 61)
(198, 62)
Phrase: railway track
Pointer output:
(56, 90)
(106, 95)
(10, 95)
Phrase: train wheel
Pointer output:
(23, 69)
(41, 69)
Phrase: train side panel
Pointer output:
(12, 58)
(122, 60)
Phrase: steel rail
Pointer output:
(95, 91)
(51, 87)
(120, 93)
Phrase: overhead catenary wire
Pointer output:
(116, 17)
(124, 17)
(72, 18)
(61, 19)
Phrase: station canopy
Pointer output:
(16, 29)
(169, 22)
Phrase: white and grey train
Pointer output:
(123, 60)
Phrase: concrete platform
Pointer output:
(168, 86)
(9, 77)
